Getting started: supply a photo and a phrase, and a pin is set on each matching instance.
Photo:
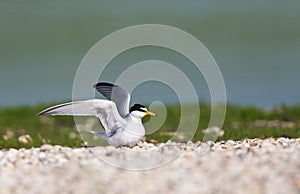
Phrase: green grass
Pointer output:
(24, 120)
(239, 124)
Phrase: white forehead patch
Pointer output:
(144, 109)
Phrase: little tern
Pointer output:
(123, 126)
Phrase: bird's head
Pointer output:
(139, 111)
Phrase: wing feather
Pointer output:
(105, 110)
(116, 94)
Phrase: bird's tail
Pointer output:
(102, 134)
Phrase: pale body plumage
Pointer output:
(122, 127)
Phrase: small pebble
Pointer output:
(250, 166)
(25, 139)
(46, 147)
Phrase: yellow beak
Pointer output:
(150, 113)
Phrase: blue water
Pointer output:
(256, 45)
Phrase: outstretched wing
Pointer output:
(105, 110)
(78, 108)
(116, 94)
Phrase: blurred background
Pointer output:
(256, 45)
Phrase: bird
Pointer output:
(123, 126)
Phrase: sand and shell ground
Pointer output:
(248, 166)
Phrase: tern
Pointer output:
(123, 126)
